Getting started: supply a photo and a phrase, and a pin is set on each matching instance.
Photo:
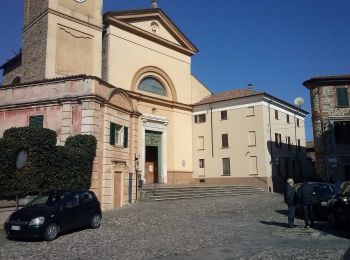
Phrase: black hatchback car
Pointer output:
(322, 193)
(54, 212)
(339, 209)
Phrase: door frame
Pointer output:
(156, 124)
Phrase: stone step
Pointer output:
(200, 188)
(200, 191)
(163, 186)
(203, 193)
(201, 196)
(164, 193)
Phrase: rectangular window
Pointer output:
(199, 118)
(201, 143)
(201, 163)
(252, 138)
(299, 146)
(118, 135)
(36, 121)
(288, 119)
(298, 122)
(224, 139)
(288, 142)
(342, 97)
(226, 166)
(250, 111)
(276, 114)
(278, 140)
(224, 115)
(253, 165)
(342, 132)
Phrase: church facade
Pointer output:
(124, 77)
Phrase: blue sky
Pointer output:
(274, 44)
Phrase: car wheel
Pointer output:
(51, 232)
(96, 221)
(332, 221)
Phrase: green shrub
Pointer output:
(49, 166)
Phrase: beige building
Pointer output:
(124, 77)
(245, 137)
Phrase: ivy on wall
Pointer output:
(48, 166)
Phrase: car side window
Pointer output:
(85, 197)
(72, 202)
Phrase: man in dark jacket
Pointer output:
(307, 199)
(289, 199)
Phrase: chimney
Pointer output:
(250, 86)
(154, 3)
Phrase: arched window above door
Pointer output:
(152, 85)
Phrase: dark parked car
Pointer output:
(55, 212)
(339, 209)
(322, 193)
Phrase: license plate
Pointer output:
(16, 228)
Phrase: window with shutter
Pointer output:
(112, 134)
(226, 166)
(36, 121)
(117, 134)
(342, 97)
(126, 137)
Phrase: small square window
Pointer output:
(36, 121)
(342, 97)
(199, 118)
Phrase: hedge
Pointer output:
(49, 166)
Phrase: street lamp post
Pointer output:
(298, 102)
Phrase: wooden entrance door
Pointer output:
(151, 171)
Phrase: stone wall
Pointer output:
(33, 9)
(324, 113)
(34, 50)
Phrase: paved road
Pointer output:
(242, 227)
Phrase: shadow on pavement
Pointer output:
(274, 223)
(321, 226)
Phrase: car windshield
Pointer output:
(47, 200)
(326, 190)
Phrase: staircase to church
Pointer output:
(164, 193)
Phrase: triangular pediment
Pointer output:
(154, 25)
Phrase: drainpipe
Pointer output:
(211, 129)
(271, 146)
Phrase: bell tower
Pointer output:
(61, 38)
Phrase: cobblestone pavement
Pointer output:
(242, 227)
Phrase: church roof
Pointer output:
(228, 95)
(125, 20)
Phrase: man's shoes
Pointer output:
(291, 226)
(307, 226)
